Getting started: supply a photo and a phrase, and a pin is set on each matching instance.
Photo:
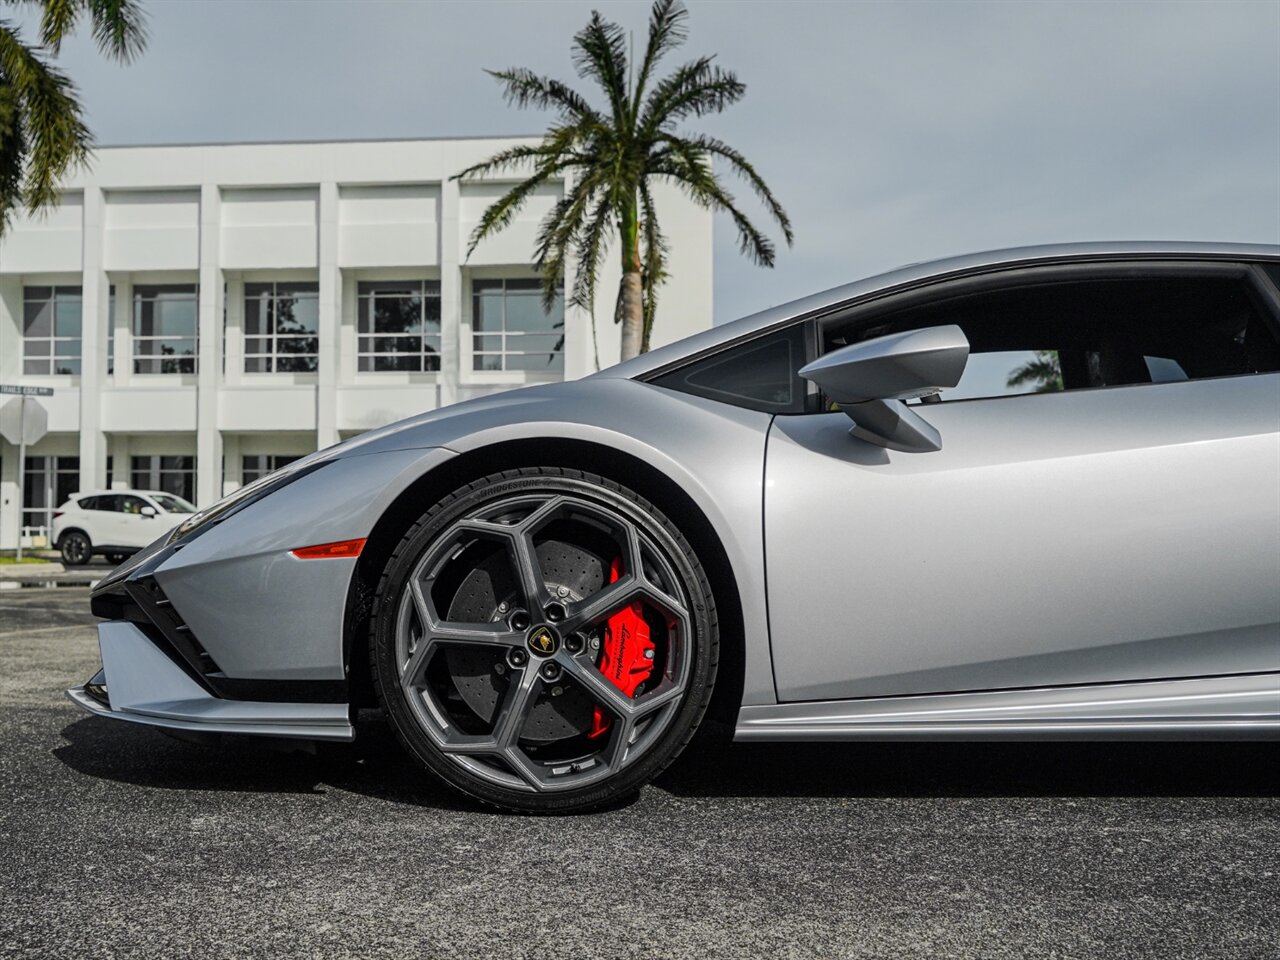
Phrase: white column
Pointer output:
(233, 339)
(93, 346)
(231, 474)
(10, 371)
(330, 307)
(208, 439)
(121, 459)
(123, 333)
(450, 291)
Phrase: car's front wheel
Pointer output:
(76, 549)
(544, 640)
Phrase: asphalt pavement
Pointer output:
(118, 841)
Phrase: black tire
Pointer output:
(694, 644)
(76, 548)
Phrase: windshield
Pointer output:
(172, 504)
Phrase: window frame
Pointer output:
(273, 355)
(428, 289)
(53, 339)
(928, 289)
(136, 299)
(472, 332)
(1252, 276)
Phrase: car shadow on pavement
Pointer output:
(1011, 769)
(376, 766)
(143, 756)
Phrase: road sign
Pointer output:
(26, 391)
(23, 420)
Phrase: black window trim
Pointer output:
(927, 290)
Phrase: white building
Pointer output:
(206, 313)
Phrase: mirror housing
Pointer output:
(870, 380)
(148, 511)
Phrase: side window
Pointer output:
(89, 503)
(131, 505)
(759, 374)
(1070, 334)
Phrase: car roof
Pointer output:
(915, 273)
(79, 495)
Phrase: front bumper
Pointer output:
(140, 683)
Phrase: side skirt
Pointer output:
(1209, 708)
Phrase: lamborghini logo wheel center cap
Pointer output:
(542, 641)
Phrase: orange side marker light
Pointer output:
(329, 551)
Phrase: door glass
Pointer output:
(1104, 331)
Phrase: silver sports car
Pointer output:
(1026, 494)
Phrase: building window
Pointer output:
(255, 467)
(281, 322)
(511, 331)
(176, 475)
(51, 318)
(47, 483)
(165, 328)
(399, 325)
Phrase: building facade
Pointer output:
(205, 314)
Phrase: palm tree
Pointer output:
(42, 130)
(1044, 371)
(611, 157)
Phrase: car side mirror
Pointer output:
(148, 511)
(870, 380)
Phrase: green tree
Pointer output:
(1044, 371)
(613, 155)
(42, 130)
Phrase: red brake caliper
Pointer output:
(627, 655)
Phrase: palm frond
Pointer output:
(693, 90)
(119, 28)
(600, 54)
(12, 149)
(667, 31)
(690, 170)
(522, 88)
(746, 171)
(55, 133)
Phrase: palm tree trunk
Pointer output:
(632, 306)
(631, 294)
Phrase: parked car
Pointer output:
(1055, 514)
(114, 523)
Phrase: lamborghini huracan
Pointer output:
(1027, 494)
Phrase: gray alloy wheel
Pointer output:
(76, 549)
(544, 640)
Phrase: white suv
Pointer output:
(114, 523)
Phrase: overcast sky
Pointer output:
(892, 132)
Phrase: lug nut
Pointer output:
(517, 657)
(573, 643)
(519, 620)
(550, 671)
(555, 612)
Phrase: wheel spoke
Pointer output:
(521, 695)
(597, 685)
(532, 585)
(604, 601)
